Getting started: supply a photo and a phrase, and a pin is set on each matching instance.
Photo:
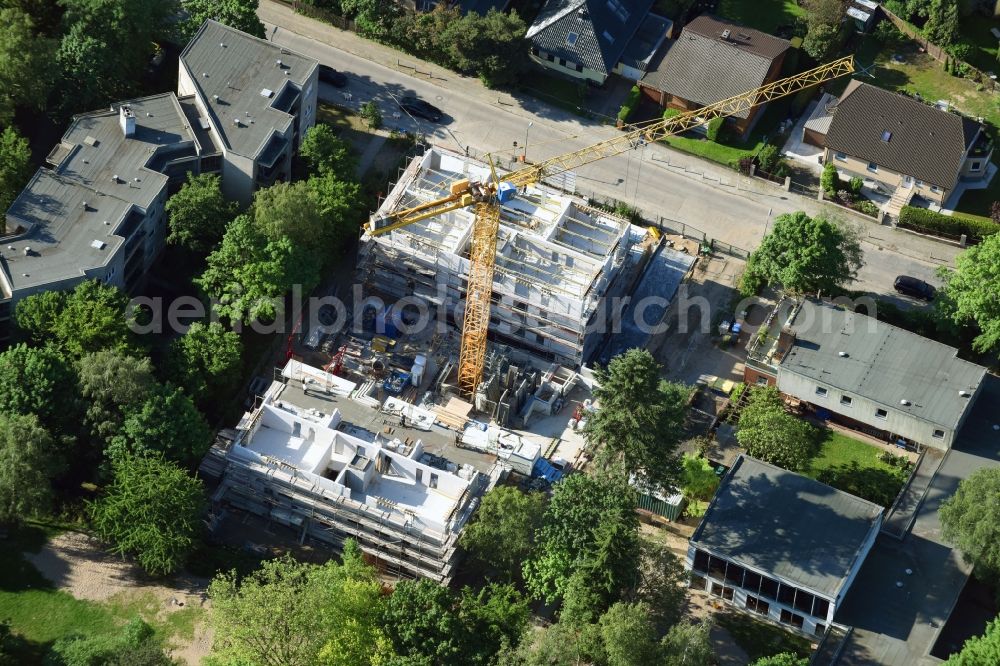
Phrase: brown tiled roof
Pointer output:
(703, 67)
(923, 142)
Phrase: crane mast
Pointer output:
(486, 198)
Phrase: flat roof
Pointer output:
(66, 238)
(786, 524)
(241, 70)
(883, 363)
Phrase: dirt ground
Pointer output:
(77, 564)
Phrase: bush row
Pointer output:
(923, 219)
(631, 102)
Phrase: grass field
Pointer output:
(839, 449)
(765, 15)
(853, 466)
(975, 31)
(762, 639)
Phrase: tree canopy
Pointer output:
(166, 424)
(239, 14)
(40, 381)
(700, 479)
(968, 519)
(782, 659)
(153, 510)
(326, 153)
(15, 157)
(24, 71)
(640, 418)
(198, 213)
(502, 531)
(114, 385)
(207, 361)
(979, 650)
(688, 644)
(590, 525)
(27, 465)
(970, 292)
(768, 432)
(804, 255)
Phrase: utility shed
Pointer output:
(781, 545)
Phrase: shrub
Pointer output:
(995, 211)
(867, 207)
(830, 180)
(845, 198)
(670, 113)
(631, 102)
(371, 115)
(855, 185)
(886, 33)
(960, 51)
(714, 130)
(768, 157)
(922, 219)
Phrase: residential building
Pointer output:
(315, 455)
(713, 60)
(902, 145)
(96, 211)
(869, 375)
(781, 545)
(255, 98)
(591, 39)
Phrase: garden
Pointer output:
(859, 468)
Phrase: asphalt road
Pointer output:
(652, 177)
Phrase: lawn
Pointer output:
(762, 639)
(854, 466)
(349, 125)
(980, 202)
(975, 31)
(41, 614)
(556, 90)
(765, 15)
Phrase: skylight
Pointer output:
(571, 38)
(886, 135)
(607, 36)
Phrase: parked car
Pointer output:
(911, 286)
(421, 109)
(329, 75)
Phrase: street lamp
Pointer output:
(526, 129)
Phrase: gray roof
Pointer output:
(237, 67)
(703, 67)
(786, 525)
(822, 114)
(49, 214)
(644, 44)
(590, 20)
(884, 364)
(925, 142)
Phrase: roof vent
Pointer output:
(236, 122)
(136, 179)
(24, 275)
(27, 250)
(266, 92)
(84, 205)
(205, 74)
(97, 244)
(964, 394)
(725, 34)
(222, 45)
(114, 178)
(11, 247)
(90, 141)
(843, 354)
(215, 97)
(904, 402)
(277, 63)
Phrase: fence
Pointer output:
(686, 230)
(935, 51)
(954, 238)
(322, 14)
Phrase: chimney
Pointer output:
(126, 118)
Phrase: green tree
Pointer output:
(493, 47)
(713, 130)
(288, 612)
(199, 213)
(15, 157)
(640, 418)
(327, 153)
(942, 26)
(968, 519)
(821, 41)
(290, 211)
(589, 520)
(830, 180)
(502, 531)
(248, 273)
(27, 466)
(700, 479)
(152, 510)
(979, 650)
(768, 432)
(114, 385)
(662, 584)
(824, 12)
(370, 113)
(134, 645)
(239, 14)
(207, 361)
(40, 381)
(804, 255)
(782, 659)
(167, 424)
(373, 18)
(338, 203)
(629, 635)
(970, 292)
(24, 72)
(688, 644)
(559, 645)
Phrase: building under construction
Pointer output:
(556, 259)
(319, 455)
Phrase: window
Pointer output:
(562, 61)
(751, 581)
(579, 67)
(786, 595)
(619, 9)
(550, 57)
(840, 156)
(698, 582)
(820, 629)
(734, 575)
(534, 50)
(700, 561)
(803, 601)
(607, 35)
(872, 167)
(757, 605)
(768, 587)
(881, 413)
(976, 166)
(787, 617)
(571, 38)
(821, 607)
(820, 391)
(722, 591)
(762, 381)
(939, 434)
(935, 189)
(846, 400)
(434, 480)
(420, 475)
(717, 568)
(919, 183)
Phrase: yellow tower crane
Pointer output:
(488, 197)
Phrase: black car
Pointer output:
(421, 109)
(329, 75)
(911, 286)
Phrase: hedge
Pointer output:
(631, 102)
(922, 219)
